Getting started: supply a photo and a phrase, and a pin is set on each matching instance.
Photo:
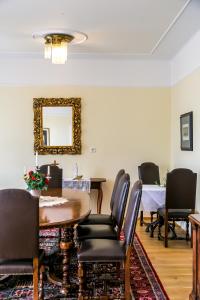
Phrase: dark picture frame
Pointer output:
(46, 136)
(186, 130)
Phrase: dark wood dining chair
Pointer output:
(179, 202)
(56, 175)
(54, 189)
(110, 251)
(19, 226)
(109, 230)
(106, 218)
(148, 172)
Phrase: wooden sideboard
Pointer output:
(195, 222)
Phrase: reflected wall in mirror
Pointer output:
(57, 125)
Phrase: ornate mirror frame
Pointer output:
(38, 104)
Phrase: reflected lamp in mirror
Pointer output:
(57, 125)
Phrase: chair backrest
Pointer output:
(181, 189)
(19, 224)
(149, 173)
(121, 195)
(56, 175)
(117, 178)
(132, 212)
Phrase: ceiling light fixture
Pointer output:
(55, 47)
(56, 44)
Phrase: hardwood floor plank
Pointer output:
(173, 264)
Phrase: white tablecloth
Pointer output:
(153, 197)
(46, 201)
(77, 184)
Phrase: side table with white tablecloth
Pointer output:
(153, 197)
(85, 184)
(77, 184)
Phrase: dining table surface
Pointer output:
(73, 207)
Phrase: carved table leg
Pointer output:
(80, 279)
(65, 245)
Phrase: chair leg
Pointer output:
(41, 293)
(151, 213)
(141, 218)
(80, 279)
(166, 231)
(127, 276)
(187, 230)
(174, 224)
(160, 224)
(35, 278)
(153, 227)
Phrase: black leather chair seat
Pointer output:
(19, 266)
(16, 266)
(98, 219)
(96, 232)
(101, 250)
(174, 213)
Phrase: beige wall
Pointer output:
(126, 126)
(185, 98)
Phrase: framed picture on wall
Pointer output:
(186, 127)
(46, 136)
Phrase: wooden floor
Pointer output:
(173, 264)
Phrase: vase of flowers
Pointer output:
(36, 182)
(35, 193)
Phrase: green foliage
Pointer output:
(36, 181)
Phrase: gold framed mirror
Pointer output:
(57, 125)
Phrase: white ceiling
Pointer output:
(125, 28)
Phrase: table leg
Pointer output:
(65, 245)
(195, 294)
(99, 199)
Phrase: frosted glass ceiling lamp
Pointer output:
(55, 46)
(47, 49)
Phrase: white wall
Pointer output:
(126, 125)
(84, 72)
(185, 97)
(187, 60)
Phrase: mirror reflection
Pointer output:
(57, 126)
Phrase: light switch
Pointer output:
(93, 150)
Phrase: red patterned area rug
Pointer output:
(144, 280)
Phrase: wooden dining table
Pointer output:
(64, 215)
